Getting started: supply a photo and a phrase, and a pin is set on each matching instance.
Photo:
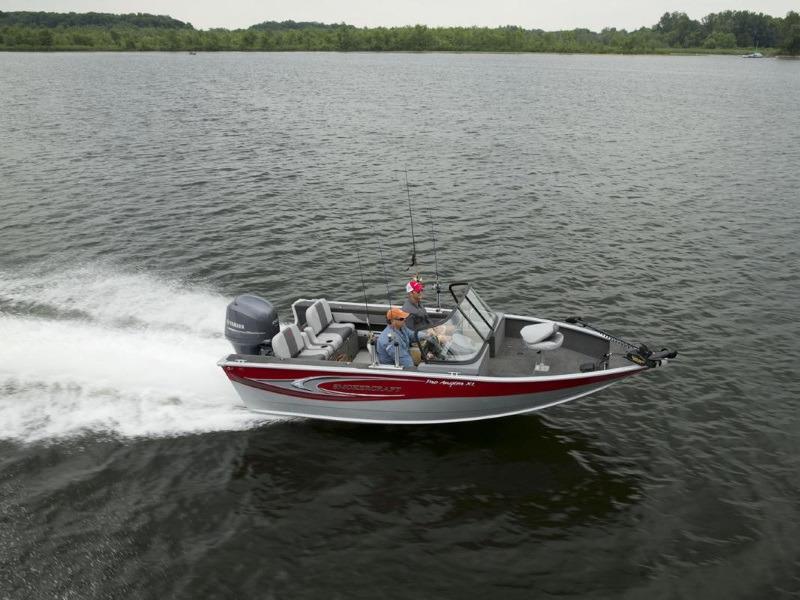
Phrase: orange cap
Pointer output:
(395, 313)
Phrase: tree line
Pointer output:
(90, 19)
(728, 31)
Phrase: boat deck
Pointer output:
(513, 359)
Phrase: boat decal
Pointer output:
(350, 386)
(291, 388)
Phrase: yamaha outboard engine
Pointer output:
(250, 324)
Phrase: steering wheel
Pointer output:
(431, 346)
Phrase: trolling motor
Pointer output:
(640, 355)
(645, 357)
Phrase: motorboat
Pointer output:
(753, 55)
(482, 363)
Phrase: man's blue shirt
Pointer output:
(385, 346)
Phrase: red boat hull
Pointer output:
(382, 396)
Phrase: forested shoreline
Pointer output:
(724, 32)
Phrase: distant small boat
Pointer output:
(753, 55)
(192, 52)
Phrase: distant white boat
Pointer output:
(753, 55)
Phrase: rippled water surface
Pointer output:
(655, 196)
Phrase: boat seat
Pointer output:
(322, 329)
(542, 337)
(291, 343)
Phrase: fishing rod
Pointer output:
(385, 278)
(411, 218)
(392, 337)
(436, 285)
(364, 288)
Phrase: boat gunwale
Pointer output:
(345, 368)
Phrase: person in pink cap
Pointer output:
(418, 318)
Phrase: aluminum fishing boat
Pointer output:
(487, 364)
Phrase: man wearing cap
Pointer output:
(397, 336)
(418, 318)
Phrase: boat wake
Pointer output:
(93, 351)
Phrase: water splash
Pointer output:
(120, 354)
(104, 295)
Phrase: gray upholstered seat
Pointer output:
(542, 337)
(290, 343)
(322, 329)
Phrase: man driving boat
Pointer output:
(397, 337)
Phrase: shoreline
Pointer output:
(738, 52)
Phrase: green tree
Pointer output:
(248, 40)
(45, 38)
(421, 38)
(719, 39)
(81, 38)
(749, 28)
(679, 30)
(790, 33)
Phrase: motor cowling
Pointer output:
(250, 324)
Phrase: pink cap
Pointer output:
(414, 286)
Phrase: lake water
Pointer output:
(655, 196)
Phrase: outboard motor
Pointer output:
(250, 324)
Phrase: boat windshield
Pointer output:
(462, 336)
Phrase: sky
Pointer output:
(550, 15)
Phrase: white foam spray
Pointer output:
(139, 360)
